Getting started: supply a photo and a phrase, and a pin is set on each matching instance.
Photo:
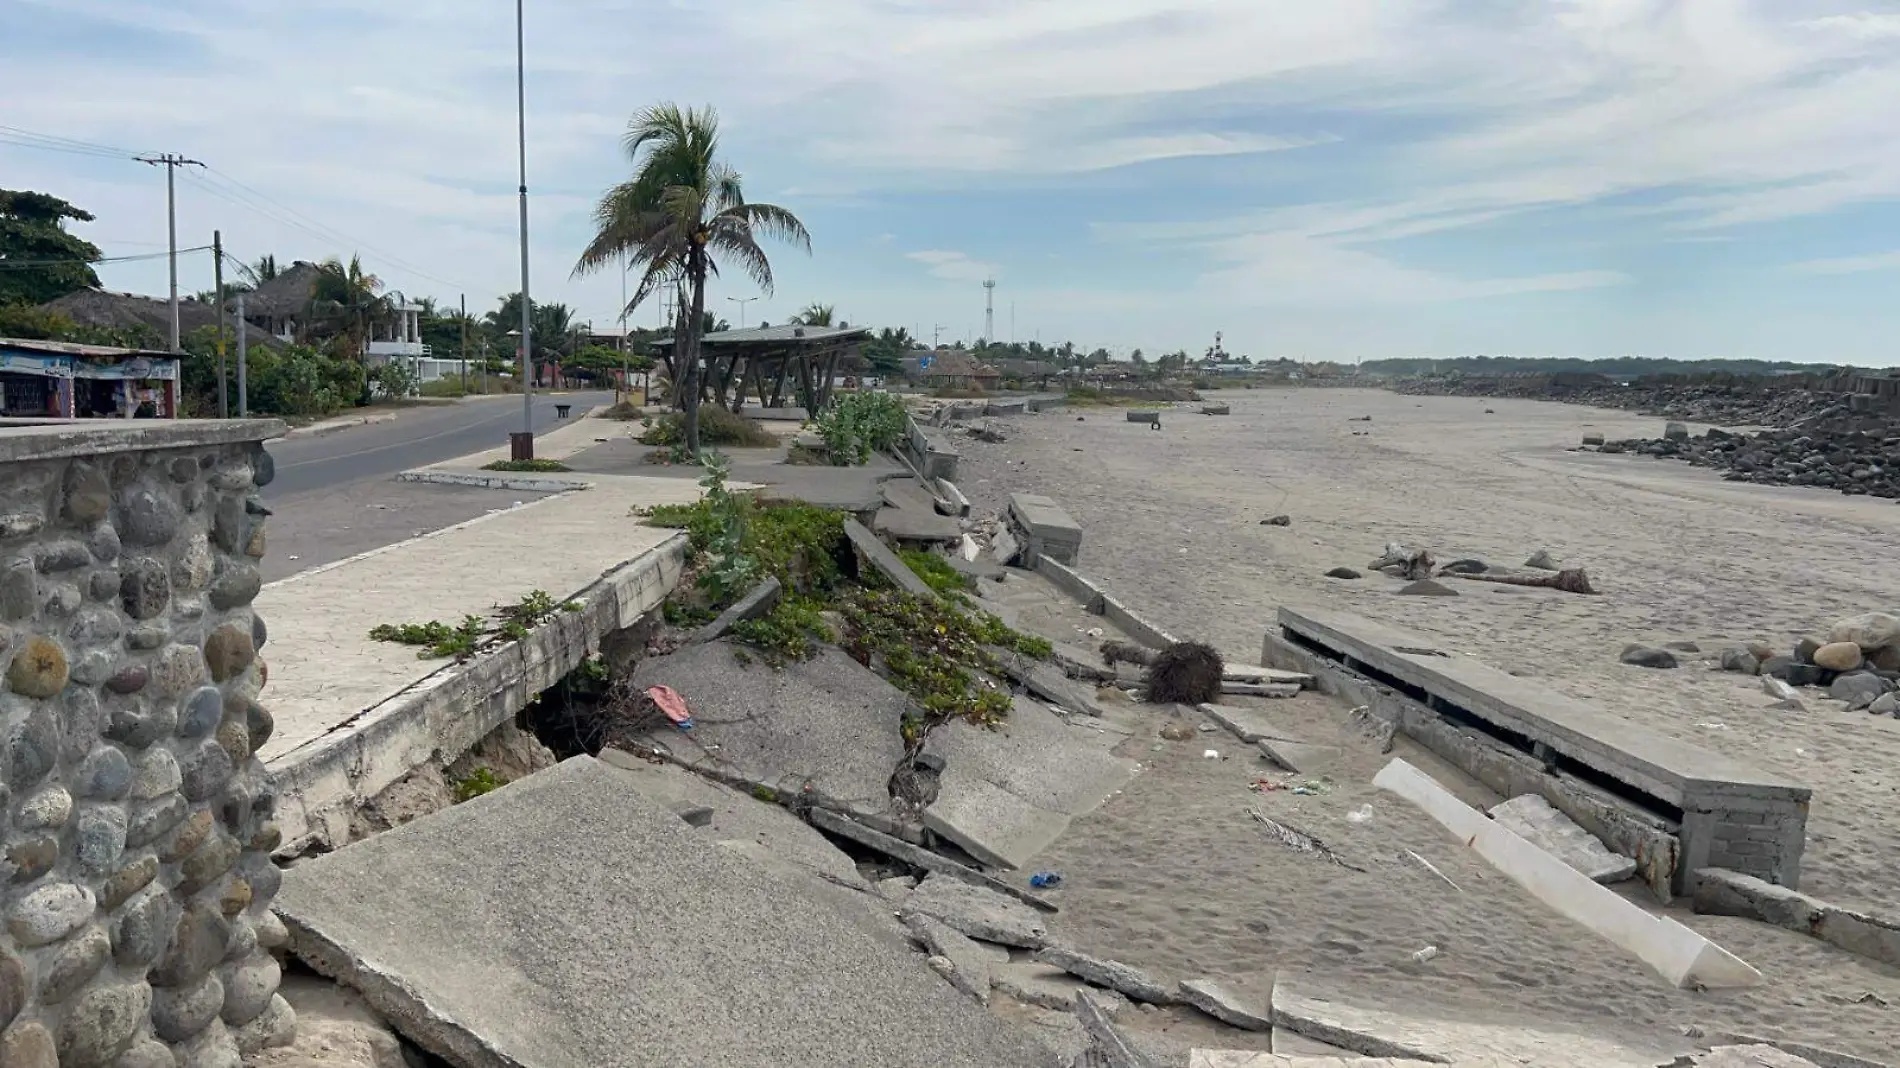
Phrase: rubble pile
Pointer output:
(1725, 405)
(1857, 662)
(1857, 462)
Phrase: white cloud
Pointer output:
(1879, 261)
(954, 266)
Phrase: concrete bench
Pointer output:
(1729, 814)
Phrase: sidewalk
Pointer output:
(353, 715)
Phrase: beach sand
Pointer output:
(1173, 874)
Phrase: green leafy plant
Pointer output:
(717, 426)
(526, 465)
(530, 612)
(858, 425)
(478, 782)
(438, 639)
(936, 572)
(931, 650)
(394, 379)
(788, 631)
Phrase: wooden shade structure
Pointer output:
(763, 360)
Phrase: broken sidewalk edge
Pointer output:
(919, 857)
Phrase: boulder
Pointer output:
(1675, 432)
(1431, 588)
(1343, 573)
(1838, 656)
(1740, 661)
(1647, 657)
(1791, 671)
(1859, 689)
(1541, 560)
(1869, 631)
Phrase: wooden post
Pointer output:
(778, 385)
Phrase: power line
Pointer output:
(14, 135)
(23, 265)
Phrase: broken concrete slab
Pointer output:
(1007, 792)
(1246, 1058)
(880, 556)
(921, 858)
(1533, 819)
(735, 817)
(1311, 1010)
(1048, 532)
(1281, 690)
(1307, 758)
(1264, 675)
(1758, 1056)
(617, 936)
(1112, 974)
(969, 965)
(1294, 1043)
(1223, 1004)
(1033, 983)
(758, 601)
(1051, 683)
(911, 514)
(1115, 1049)
(1248, 724)
(977, 912)
(826, 730)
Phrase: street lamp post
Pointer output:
(742, 302)
(523, 445)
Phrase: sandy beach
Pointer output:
(1173, 875)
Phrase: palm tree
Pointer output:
(681, 212)
(355, 296)
(263, 270)
(814, 315)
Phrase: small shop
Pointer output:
(66, 381)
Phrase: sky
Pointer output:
(1347, 180)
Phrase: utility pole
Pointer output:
(217, 275)
(244, 389)
(989, 311)
(464, 352)
(626, 381)
(171, 164)
(936, 336)
(525, 451)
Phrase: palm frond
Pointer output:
(737, 243)
(770, 220)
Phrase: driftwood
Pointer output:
(1114, 652)
(1571, 580)
(1405, 563)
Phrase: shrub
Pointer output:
(1187, 673)
(717, 427)
(859, 424)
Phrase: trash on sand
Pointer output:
(1095, 632)
(1265, 786)
(1713, 726)
(1433, 868)
(1210, 754)
(673, 705)
(1425, 954)
(1294, 838)
(1312, 788)
(1362, 814)
(1043, 880)
(1207, 728)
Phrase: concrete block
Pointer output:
(1678, 954)
(1113, 1047)
(1533, 819)
(615, 930)
(1247, 724)
(1303, 757)
(1264, 675)
(1279, 690)
(1722, 892)
(1033, 983)
(878, 555)
(1071, 582)
(990, 823)
(969, 965)
(1143, 416)
(1047, 529)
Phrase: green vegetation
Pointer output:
(33, 231)
(717, 426)
(1615, 367)
(530, 612)
(788, 631)
(480, 781)
(858, 425)
(526, 465)
(936, 573)
(437, 639)
(931, 650)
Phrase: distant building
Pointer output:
(951, 369)
(61, 380)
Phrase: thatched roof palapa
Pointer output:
(102, 308)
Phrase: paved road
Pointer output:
(420, 436)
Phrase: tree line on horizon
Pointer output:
(1609, 366)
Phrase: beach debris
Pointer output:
(1570, 580)
(1646, 656)
(1433, 868)
(1343, 573)
(1403, 562)
(670, 702)
(1277, 521)
(1360, 419)
(1119, 652)
(1377, 729)
(1362, 814)
(1226, 1006)
(1260, 689)
(1537, 821)
(1425, 954)
(1177, 732)
(1541, 560)
(1210, 754)
(1187, 673)
(1044, 880)
(1300, 841)
(1124, 979)
(1427, 588)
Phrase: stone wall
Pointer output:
(137, 873)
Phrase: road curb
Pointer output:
(493, 480)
